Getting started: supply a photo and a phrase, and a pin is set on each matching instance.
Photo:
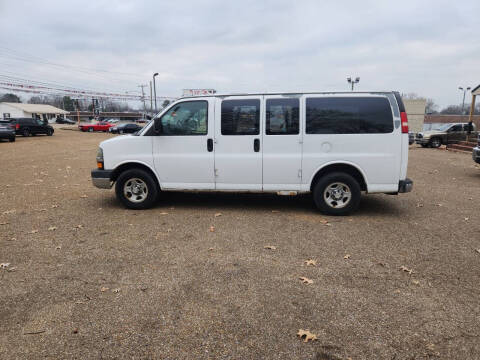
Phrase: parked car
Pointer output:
(125, 129)
(411, 138)
(30, 126)
(7, 130)
(448, 133)
(476, 151)
(112, 121)
(99, 126)
(279, 143)
(60, 120)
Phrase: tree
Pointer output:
(10, 98)
(431, 107)
(68, 103)
(452, 110)
(165, 103)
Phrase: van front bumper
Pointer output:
(405, 185)
(102, 178)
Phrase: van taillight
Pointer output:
(404, 120)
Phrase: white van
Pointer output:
(334, 145)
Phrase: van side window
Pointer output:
(348, 115)
(282, 116)
(240, 117)
(186, 118)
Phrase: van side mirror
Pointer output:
(157, 124)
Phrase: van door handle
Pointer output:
(256, 145)
(210, 145)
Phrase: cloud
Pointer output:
(427, 47)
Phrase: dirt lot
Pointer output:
(88, 279)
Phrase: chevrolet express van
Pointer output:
(333, 145)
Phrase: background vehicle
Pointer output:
(281, 143)
(100, 126)
(446, 134)
(125, 129)
(476, 151)
(30, 126)
(68, 121)
(112, 121)
(411, 138)
(7, 131)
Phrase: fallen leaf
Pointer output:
(163, 213)
(306, 335)
(212, 228)
(419, 205)
(275, 211)
(58, 247)
(33, 232)
(270, 247)
(4, 265)
(84, 196)
(466, 219)
(4, 223)
(79, 226)
(218, 214)
(116, 291)
(310, 262)
(52, 228)
(103, 289)
(41, 209)
(347, 256)
(210, 249)
(477, 250)
(404, 268)
(438, 204)
(416, 282)
(7, 212)
(305, 280)
(54, 206)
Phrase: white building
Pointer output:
(416, 113)
(40, 111)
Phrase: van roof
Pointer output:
(292, 93)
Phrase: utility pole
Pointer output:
(143, 99)
(464, 91)
(155, 91)
(151, 98)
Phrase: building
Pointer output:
(39, 111)
(416, 113)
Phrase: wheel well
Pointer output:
(128, 166)
(349, 169)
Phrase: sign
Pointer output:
(198, 92)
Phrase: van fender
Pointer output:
(336, 162)
(131, 163)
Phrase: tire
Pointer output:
(435, 142)
(333, 185)
(145, 198)
(12, 139)
(26, 132)
(49, 132)
(90, 129)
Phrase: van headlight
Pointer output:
(100, 158)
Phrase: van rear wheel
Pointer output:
(337, 193)
(136, 189)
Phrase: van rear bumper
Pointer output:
(405, 185)
(102, 178)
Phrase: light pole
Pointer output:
(353, 82)
(464, 91)
(155, 91)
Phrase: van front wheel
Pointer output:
(136, 189)
(337, 193)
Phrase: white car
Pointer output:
(334, 145)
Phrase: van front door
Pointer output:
(238, 143)
(282, 144)
(183, 151)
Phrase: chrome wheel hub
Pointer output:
(135, 190)
(337, 195)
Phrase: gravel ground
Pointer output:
(88, 279)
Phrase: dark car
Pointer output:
(30, 126)
(7, 131)
(68, 121)
(125, 129)
(411, 138)
(476, 152)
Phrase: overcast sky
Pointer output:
(426, 47)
